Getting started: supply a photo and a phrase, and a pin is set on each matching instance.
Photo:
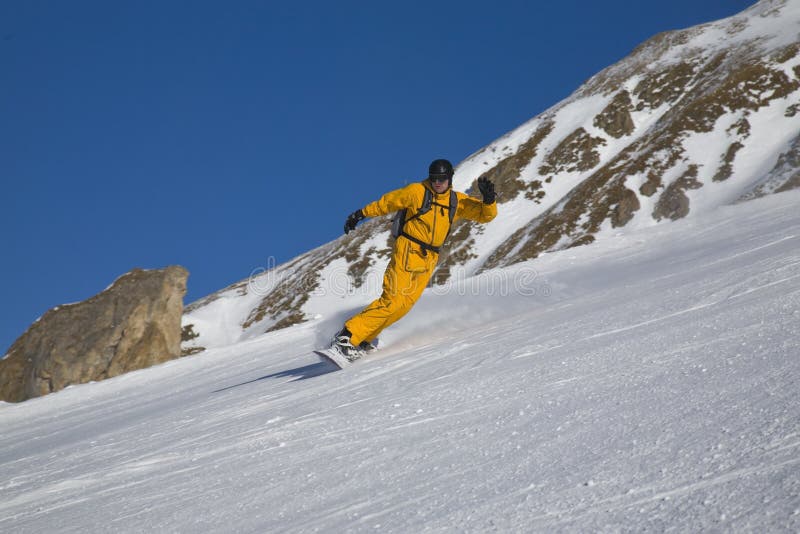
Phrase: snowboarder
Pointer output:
(426, 211)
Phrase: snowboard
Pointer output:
(334, 357)
(338, 359)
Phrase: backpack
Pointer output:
(399, 221)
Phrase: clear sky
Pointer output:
(217, 135)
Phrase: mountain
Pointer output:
(645, 383)
(690, 121)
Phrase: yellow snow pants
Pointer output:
(406, 276)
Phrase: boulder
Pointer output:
(133, 324)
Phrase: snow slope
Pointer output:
(645, 382)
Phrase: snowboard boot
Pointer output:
(341, 344)
(368, 347)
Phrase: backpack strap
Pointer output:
(423, 245)
(427, 202)
(399, 221)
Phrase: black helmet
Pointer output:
(440, 167)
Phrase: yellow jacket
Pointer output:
(431, 227)
(411, 266)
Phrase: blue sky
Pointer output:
(217, 135)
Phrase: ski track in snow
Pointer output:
(654, 389)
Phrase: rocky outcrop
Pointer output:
(616, 119)
(673, 203)
(133, 324)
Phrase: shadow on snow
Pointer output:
(299, 373)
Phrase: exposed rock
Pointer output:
(616, 118)
(664, 86)
(187, 335)
(506, 173)
(792, 182)
(650, 187)
(726, 169)
(673, 203)
(749, 87)
(133, 324)
(577, 152)
(625, 209)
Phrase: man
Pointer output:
(420, 231)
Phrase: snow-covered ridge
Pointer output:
(691, 121)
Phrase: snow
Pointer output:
(645, 382)
(754, 25)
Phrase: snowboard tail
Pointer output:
(334, 357)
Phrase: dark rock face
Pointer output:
(133, 324)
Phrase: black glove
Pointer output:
(352, 221)
(486, 188)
